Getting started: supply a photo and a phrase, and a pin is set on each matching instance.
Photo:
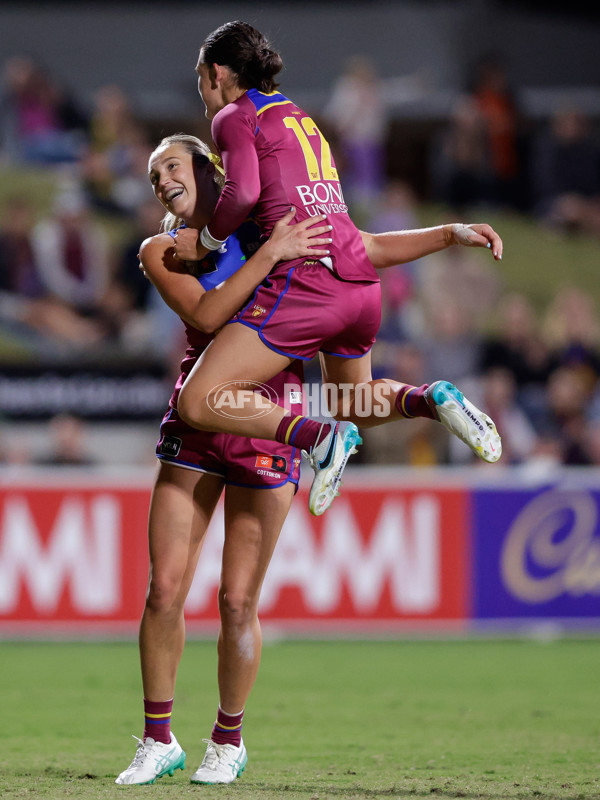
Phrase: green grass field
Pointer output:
(341, 720)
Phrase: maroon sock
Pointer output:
(301, 432)
(157, 722)
(227, 728)
(411, 402)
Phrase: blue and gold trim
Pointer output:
(264, 100)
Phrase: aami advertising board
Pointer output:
(394, 554)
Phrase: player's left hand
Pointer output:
(186, 245)
(477, 235)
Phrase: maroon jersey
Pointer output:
(275, 157)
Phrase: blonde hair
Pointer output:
(200, 153)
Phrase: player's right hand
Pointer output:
(309, 237)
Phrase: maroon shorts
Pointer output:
(256, 463)
(301, 310)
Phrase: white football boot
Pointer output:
(152, 760)
(463, 419)
(223, 763)
(328, 460)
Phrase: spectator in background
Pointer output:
(558, 367)
(115, 164)
(502, 121)
(592, 442)
(41, 123)
(572, 327)
(566, 173)
(71, 250)
(461, 174)
(18, 268)
(148, 323)
(478, 158)
(418, 444)
(357, 115)
(567, 420)
(146, 223)
(67, 443)
(555, 366)
(458, 294)
(451, 341)
(515, 343)
(29, 314)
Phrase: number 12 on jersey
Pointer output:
(326, 172)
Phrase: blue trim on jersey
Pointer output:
(271, 346)
(264, 486)
(279, 299)
(345, 355)
(266, 342)
(260, 99)
(270, 314)
(178, 462)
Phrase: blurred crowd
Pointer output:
(70, 288)
(537, 374)
(69, 277)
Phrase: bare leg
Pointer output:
(237, 357)
(182, 504)
(360, 399)
(253, 521)
(235, 360)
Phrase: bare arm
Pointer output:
(208, 311)
(398, 247)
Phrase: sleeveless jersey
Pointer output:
(275, 157)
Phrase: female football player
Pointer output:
(195, 467)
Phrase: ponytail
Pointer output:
(246, 52)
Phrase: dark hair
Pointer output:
(246, 52)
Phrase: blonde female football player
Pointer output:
(196, 466)
(275, 157)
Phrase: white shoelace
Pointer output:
(140, 753)
(214, 753)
